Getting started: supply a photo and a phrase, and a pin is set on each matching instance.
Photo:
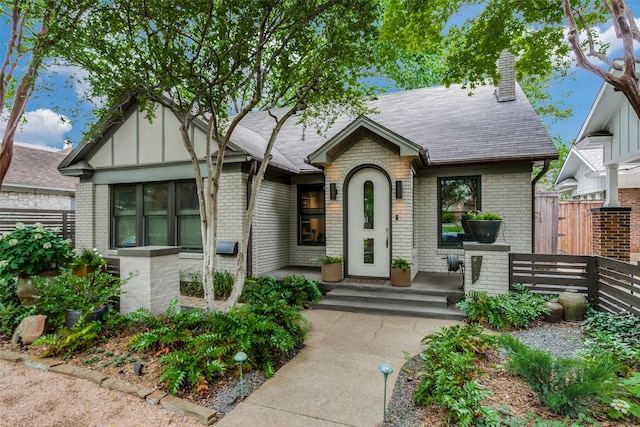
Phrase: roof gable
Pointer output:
(334, 146)
(36, 167)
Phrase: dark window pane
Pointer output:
(312, 215)
(457, 197)
(155, 214)
(124, 212)
(368, 205)
(189, 235)
(369, 254)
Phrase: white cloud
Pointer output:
(40, 127)
(78, 78)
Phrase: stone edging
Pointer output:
(204, 415)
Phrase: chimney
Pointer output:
(506, 90)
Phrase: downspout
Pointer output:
(253, 169)
(544, 170)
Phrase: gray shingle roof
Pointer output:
(450, 125)
(37, 167)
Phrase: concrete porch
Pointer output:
(431, 295)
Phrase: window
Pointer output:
(311, 224)
(157, 213)
(456, 197)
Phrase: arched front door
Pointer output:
(368, 218)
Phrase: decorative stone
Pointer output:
(30, 329)
(574, 305)
(556, 310)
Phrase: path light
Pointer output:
(386, 369)
(241, 357)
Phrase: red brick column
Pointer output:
(611, 232)
(630, 197)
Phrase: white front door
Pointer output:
(368, 211)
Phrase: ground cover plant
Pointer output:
(195, 348)
(615, 333)
(513, 310)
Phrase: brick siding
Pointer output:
(611, 233)
(630, 197)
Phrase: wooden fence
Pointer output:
(609, 284)
(574, 226)
(65, 221)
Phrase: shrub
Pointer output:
(296, 291)
(66, 342)
(614, 333)
(191, 284)
(565, 386)
(447, 374)
(223, 284)
(516, 309)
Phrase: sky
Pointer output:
(58, 111)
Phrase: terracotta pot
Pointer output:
(573, 304)
(555, 315)
(484, 231)
(26, 290)
(331, 272)
(400, 277)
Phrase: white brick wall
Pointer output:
(272, 227)
(494, 269)
(368, 152)
(85, 215)
(508, 194)
(232, 204)
(26, 200)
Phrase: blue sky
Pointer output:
(57, 111)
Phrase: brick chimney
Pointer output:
(506, 90)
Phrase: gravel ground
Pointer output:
(562, 339)
(226, 398)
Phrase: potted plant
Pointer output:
(331, 268)
(32, 250)
(87, 262)
(484, 226)
(400, 272)
(71, 297)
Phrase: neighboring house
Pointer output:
(393, 183)
(603, 163)
(34, 182)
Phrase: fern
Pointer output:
(65, 342)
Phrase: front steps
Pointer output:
(388, 300)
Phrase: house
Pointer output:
(34, 182)
(392, 183)
(603, 164)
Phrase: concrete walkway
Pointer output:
(334, 380)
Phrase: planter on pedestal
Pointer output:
(484, 231)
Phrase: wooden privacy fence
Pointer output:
(609, 284)
(65, 221)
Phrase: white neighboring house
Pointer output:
(34, 182)
(393, 183)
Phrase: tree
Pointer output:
(36, 28)
(541, 33)
(215, 62)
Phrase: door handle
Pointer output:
(387, 237)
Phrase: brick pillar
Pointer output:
(611, 232)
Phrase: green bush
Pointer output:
(614, 333)
(66, 342)
(565, 386)
(516, 309)
(191, 284)
(296, 291)
(447, 374)
(223, 283)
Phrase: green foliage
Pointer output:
(88, 257)
(198, 346)
(400, 263)
(32, 249)
(627, 406)
(191, 284)
(484, 216)
(78, 293)
(447, 374)
(565, 386)
(327, 259)
(66, 342)
(11, 311)
(516, 309)
(615, 333)
(222, 283)
(295, 291)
